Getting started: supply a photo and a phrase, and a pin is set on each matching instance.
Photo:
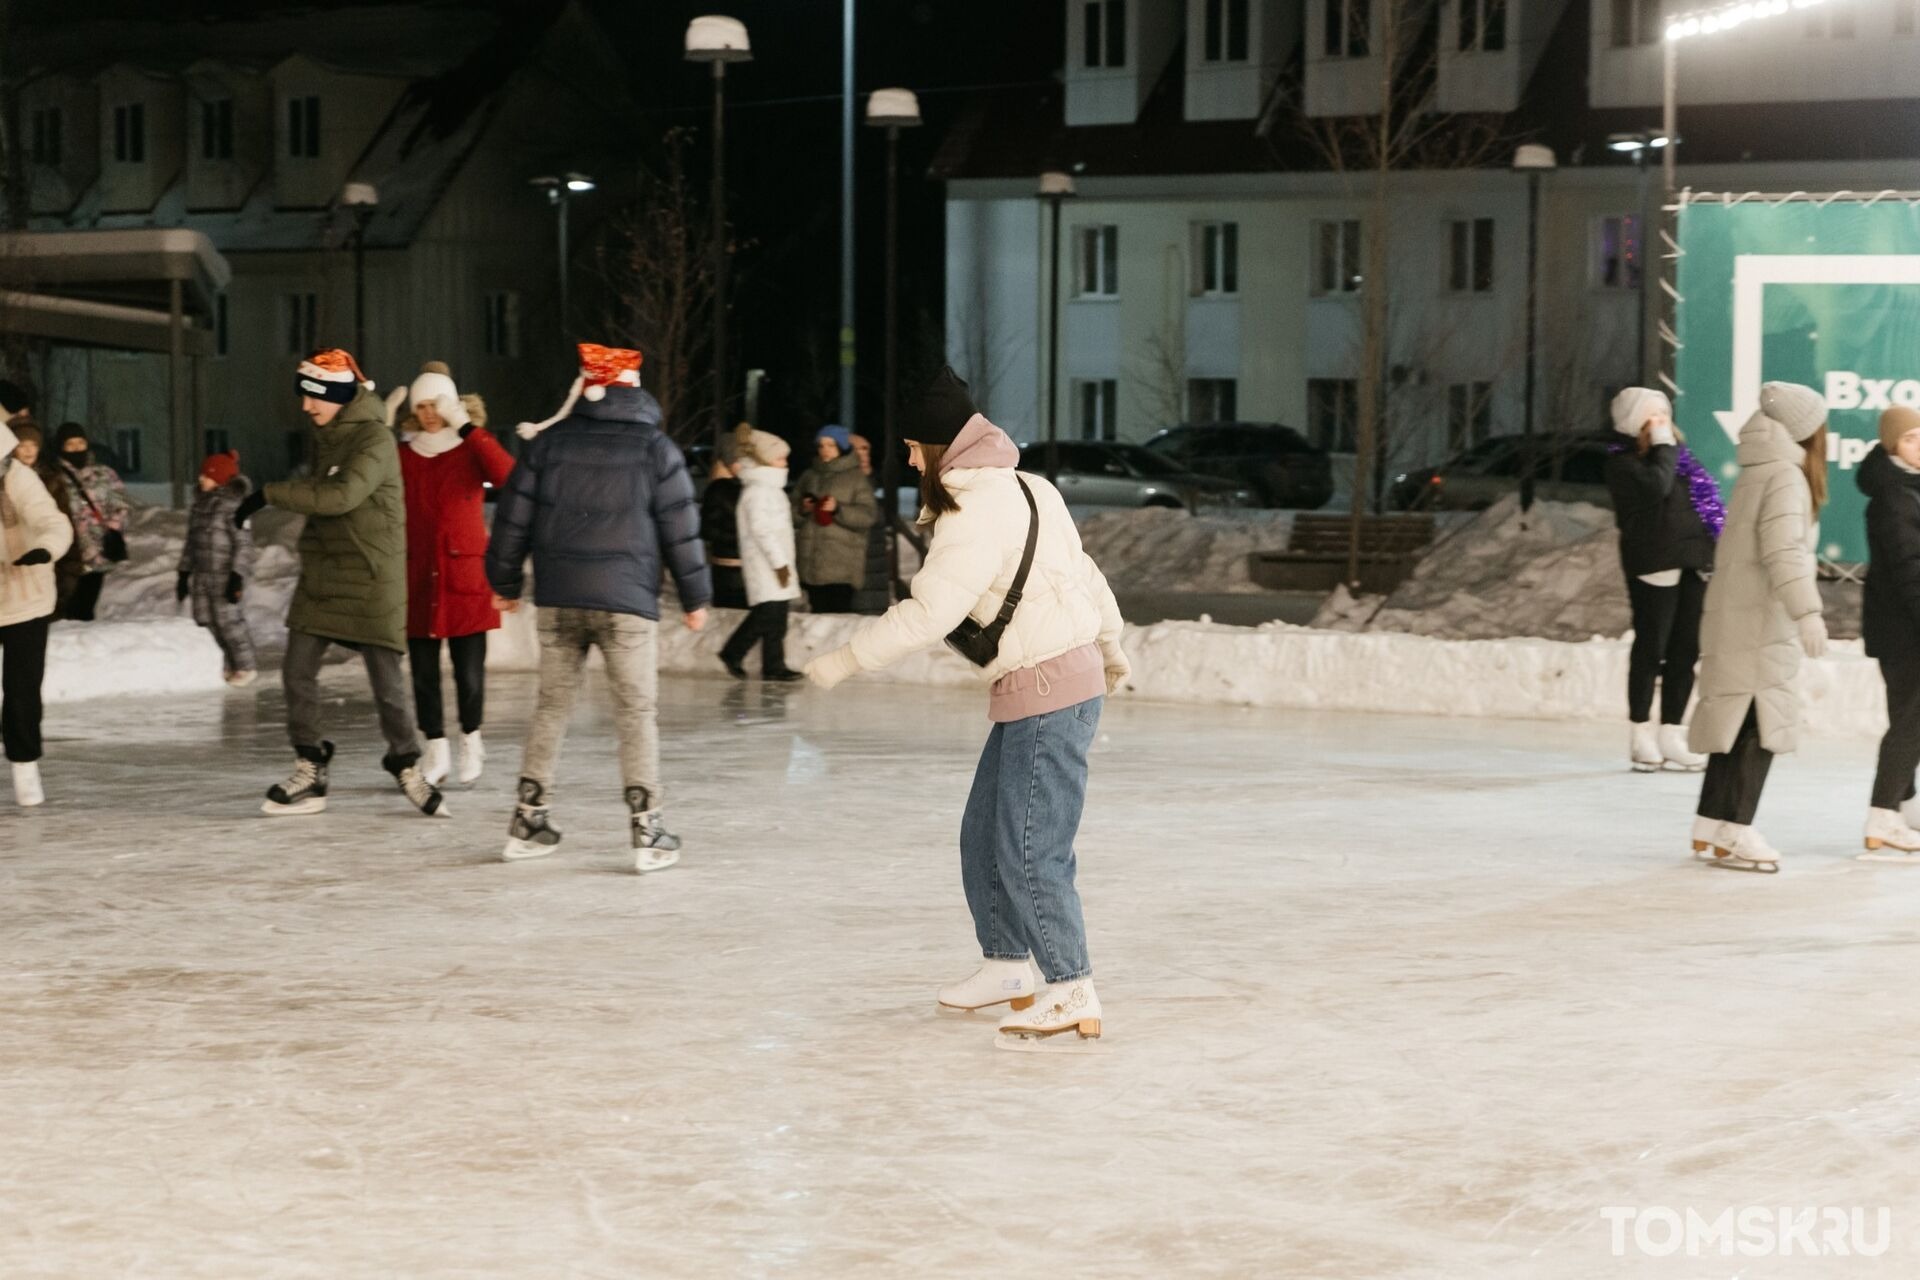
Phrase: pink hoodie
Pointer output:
(980, 445)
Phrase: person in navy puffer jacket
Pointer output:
(601, 501)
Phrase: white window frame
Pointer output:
(302, 117)
(1481, 11)
(1101, 37)
(1624, 229)
(1469, 415)
(501, 328)
(130, 133)
(1465, 234)
(1220, 22)
(1096, 406)
(216, 129)
(1342, 434)
(1330, 258)
(49, 130)
(1096, 260)
(1213, 387)
(1216, 259)
(222, 328)
(300, 323)
(1349, 28)
(130, 444)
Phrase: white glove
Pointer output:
(395, 398)
(1662, 434)
(454, 412)
(1813, 635)
(829, 669)
(1119, 671)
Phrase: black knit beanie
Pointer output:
(942, 409)
(12, 398)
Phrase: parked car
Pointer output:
(1275, 462)
(1565, 470)
(1102, 474)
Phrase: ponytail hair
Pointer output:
(1815, 466)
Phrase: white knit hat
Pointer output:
(1633, 406)
(435, 386)
(1801, 410)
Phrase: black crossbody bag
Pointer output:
(981, 645)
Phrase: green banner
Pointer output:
(1826, 294)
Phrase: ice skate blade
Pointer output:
(525, 850)
(1019, 1004)
(1888, 854)
(1642, 766)
(646, 860)
(1052, 1042)
(1875, 844)
(1673, 766)
(299, 808)
(1721, 858)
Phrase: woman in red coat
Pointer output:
(448, 460)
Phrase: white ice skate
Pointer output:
(473, 758)
(1741, 848)
(305, 790)
(994, 983)
(27, 791)
(437, 763)
(654, 847)
(1673, 747)
(241, 679)
(1643, 749)
(1890, 839)
(1065, 1017)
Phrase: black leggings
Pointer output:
(1900, 749)
(1731, 790)
(766, 626)
(85, 598)
(469, 654)
(1666, 646)
(23, 665)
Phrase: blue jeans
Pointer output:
(1016, 840)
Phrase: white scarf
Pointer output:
(431, 444)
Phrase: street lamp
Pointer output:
(717, 41)
(892, 110)
(362, 200)
(560, 193)
(1706, 21)
(1056, 186)
(1638, 145)
(1534, 161)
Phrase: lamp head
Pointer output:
(715, 38)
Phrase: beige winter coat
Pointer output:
(29, 518)
(1763, 583)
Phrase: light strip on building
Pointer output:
(1725, 17)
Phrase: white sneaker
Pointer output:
(473, 758)
(1744, 849)
(1063, 1006)
(1644, 749)
(241, 679)
(1887, 830)
(995, 982)
(437, 763)
(27, 791)
(1673, 746)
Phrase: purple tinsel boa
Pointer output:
(1702, 491)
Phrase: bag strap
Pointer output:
(1012, 602)
(81, 486)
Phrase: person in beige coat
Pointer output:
(1763, 610)
(33, 534)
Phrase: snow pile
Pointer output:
(143, 587)
(129, 659)
(1161, 549)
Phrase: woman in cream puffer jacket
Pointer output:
(1057, 661)
(34, 533)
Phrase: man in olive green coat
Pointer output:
(353, 581)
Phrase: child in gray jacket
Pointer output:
(217, 561)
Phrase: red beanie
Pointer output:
(221, 467)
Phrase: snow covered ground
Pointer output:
(1386, 997)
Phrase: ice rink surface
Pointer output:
(1384, 997)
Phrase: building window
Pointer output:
(130, 133)
(220, 325)
(49, 130)
(299, 317)
(1635, 22)
(1106, 33)
(1333, 413)
(1336, 257)
(1349, 25)
(1483, 26)
(126, 443)
(218, 440)
(1903, 17)
(1216, 249)
(503, 323)
(1616, 252)
(1469, 415)
(1096, 408)
(1212, 400)
(1470, 255)
(1097, 262)
(1226, 36)
(216, 130)
(303, 128)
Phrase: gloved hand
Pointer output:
(234, 588)
(1119, 670)
(829, 669)
(822, 516)
(1813, 635)
(249, 505)
(39, 555)
(396, 400)
(182, 586)
(1662, 434)
(466, 431)
(784, 574)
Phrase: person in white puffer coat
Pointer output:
(764, 521)
(34, 533)
(1056, 662)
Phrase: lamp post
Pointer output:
(1638, 145)
(848, 352)
(892, 110)
(717, 41)
(1534, 161)
(560, 193)
(362, 200)
(1056, 186)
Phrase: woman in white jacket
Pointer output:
(1057, 660)
(1763, 609)
(34, 532)
(764, 521)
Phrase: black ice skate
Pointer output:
(414, 785)
(654, 847)
(305, 790)
(530, 834)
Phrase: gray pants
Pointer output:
(386, 671)
(228, 622)
(629, 644)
